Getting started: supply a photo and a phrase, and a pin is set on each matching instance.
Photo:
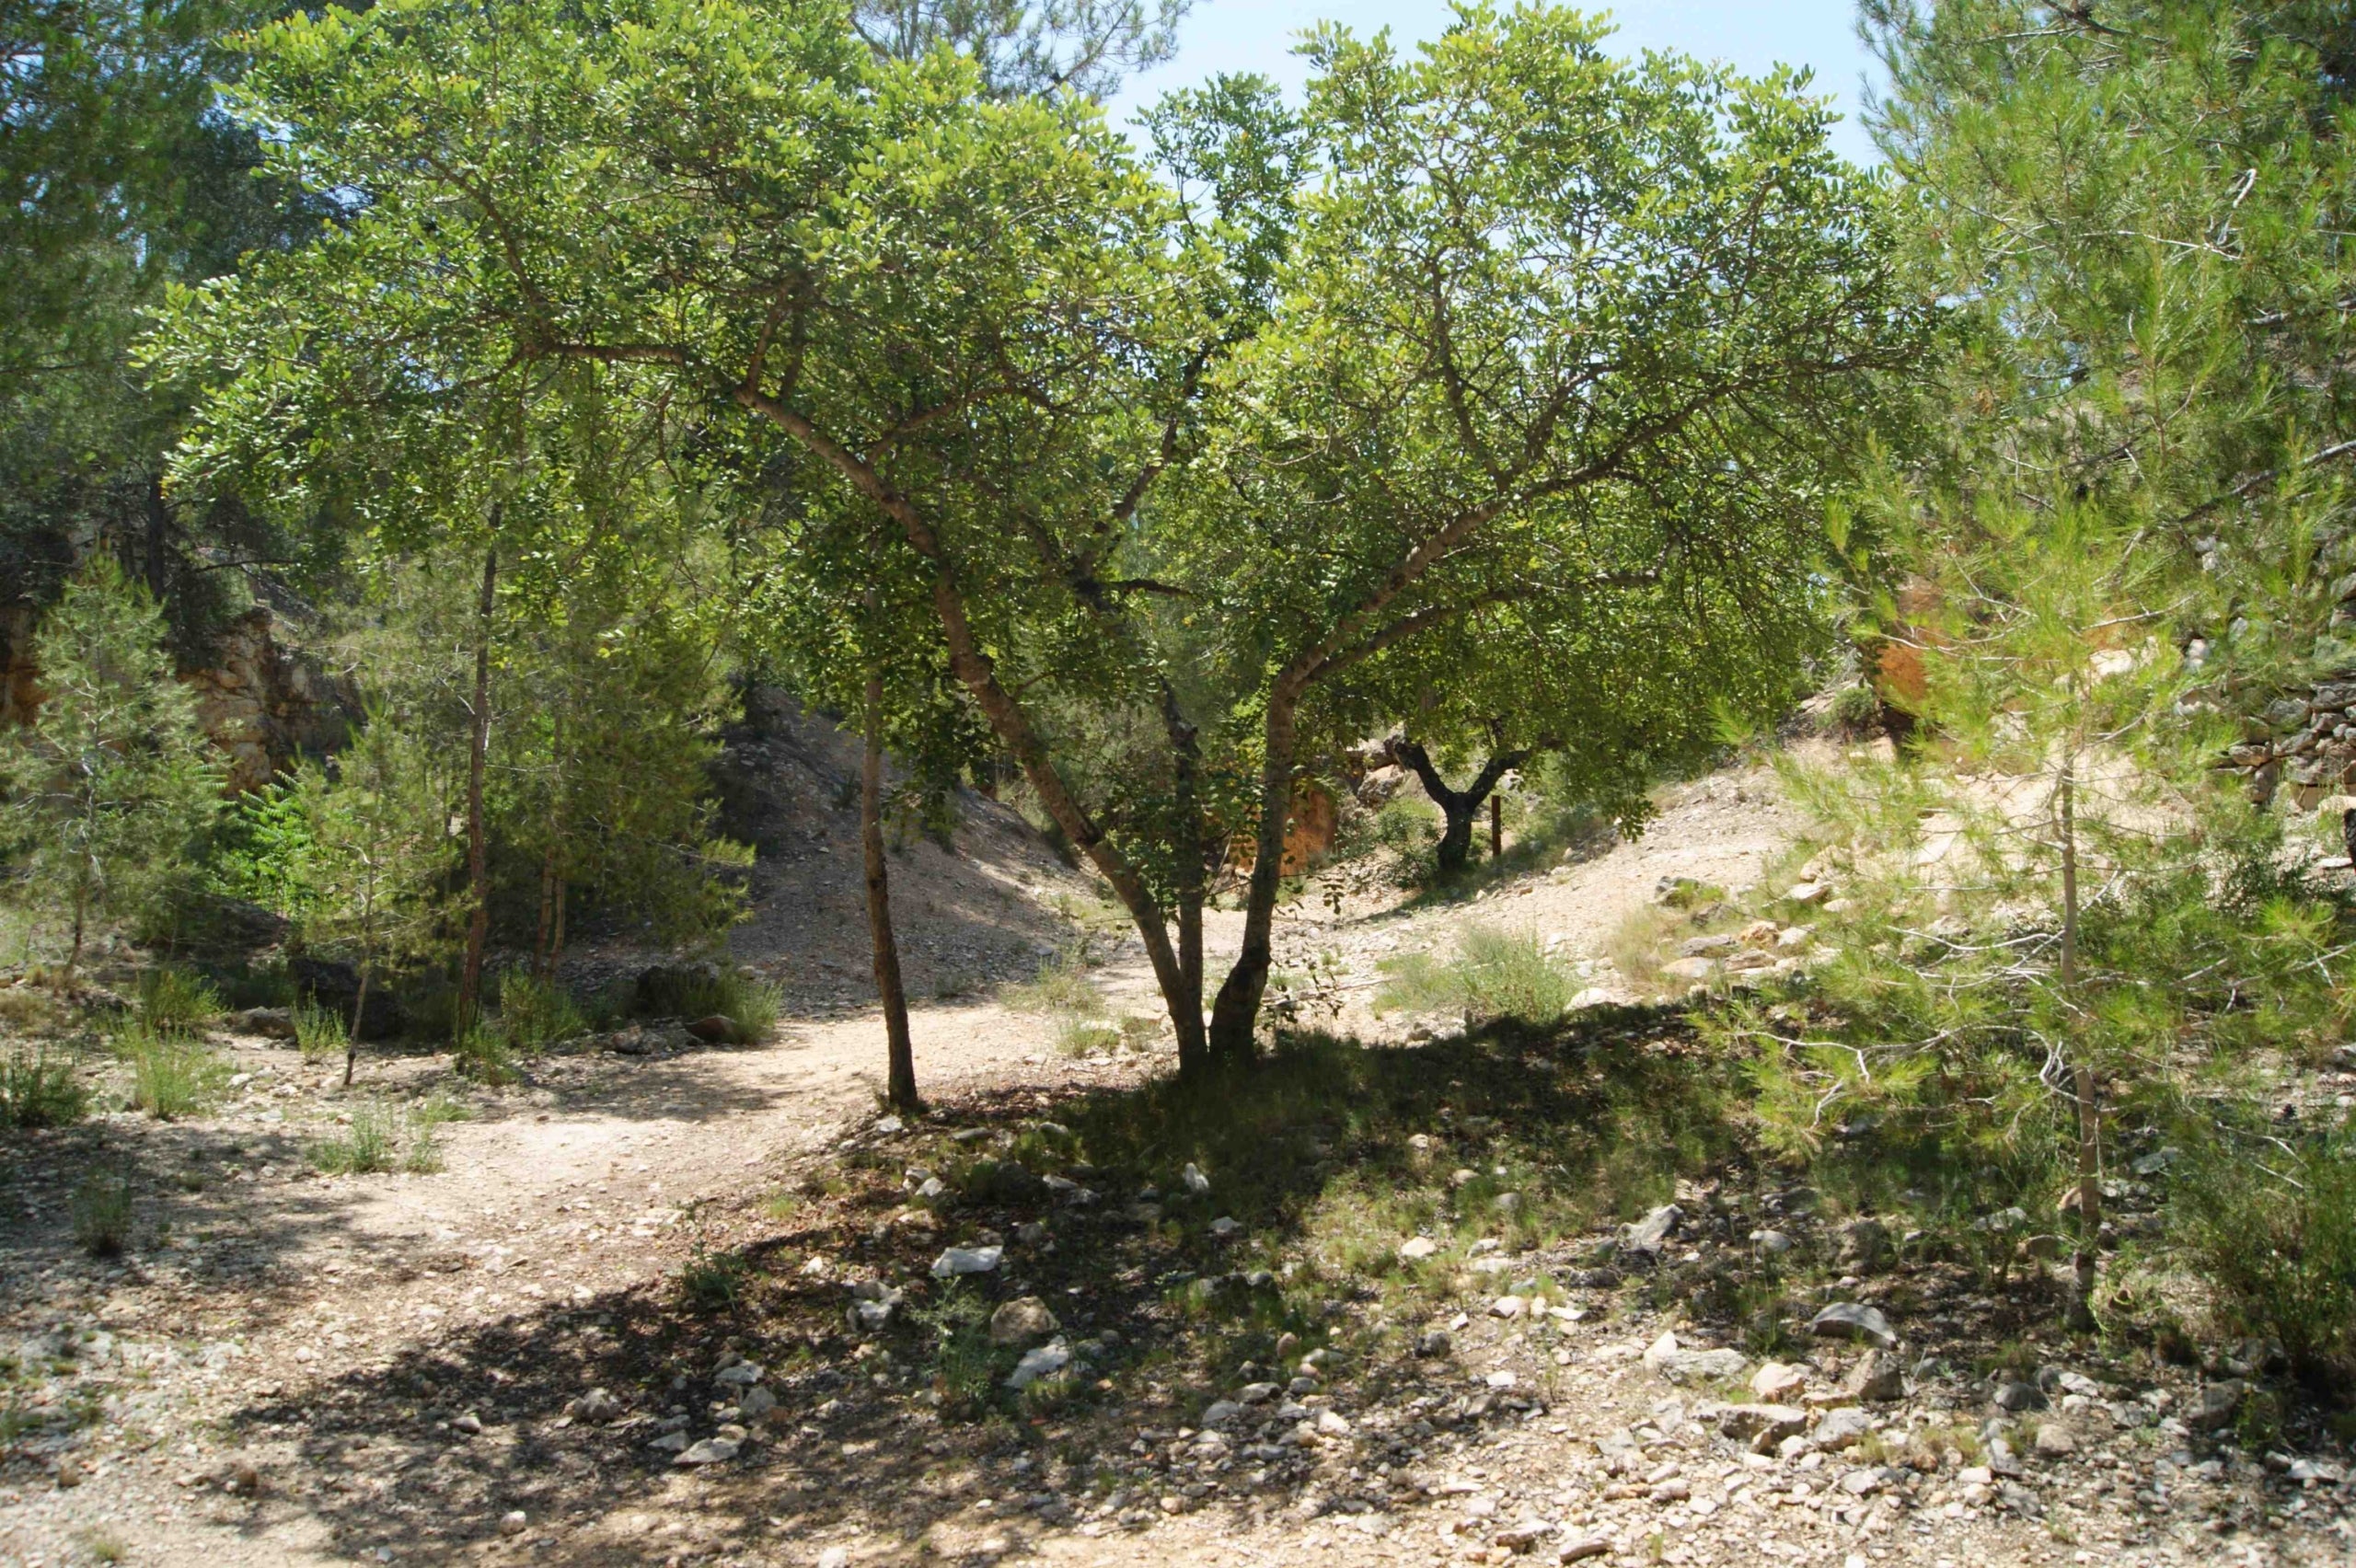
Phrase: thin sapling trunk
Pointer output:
(900, 1086)
(2082, 1074)
(478, 851)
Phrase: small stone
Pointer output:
(470, 1423)
(2055, 1441)
(1222, 1413)
(1433, 1342)
(598, 1405)
(1044, 1362)
(1764, 1424)
(1508, 1306)
(1525, 1535)
(710, 1451)
(669, 1442)
(1865, 1246)
(1852, 1321)
(966, 1261)
(757, 1402)
(1330, 1424)
(1776, 1383)
(1652, 1232)
(1256, 1393)
(2218, 1404)
(1692, 969)
(2015, 1397)
(1196, 1182)
(1024, 1321)
(1579, 1551)
(1805, 893)
(716, 1030)
(1770, 1243)
(1225, 1228)
(1416, 1249)
(1842, 1428)
(737, 1375)
(1877, 1379)
(1861, 1482)
(835, 1557)
(513, 1523)
(1673, 1491)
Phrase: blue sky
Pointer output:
(1257, 35)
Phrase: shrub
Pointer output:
(169, 1078)
(1634, 945)
(712, 1281)
(39, 1090)
(103, 1214)
(2280, 1249)
(1078, 1036)
(1061, 986)
(27, 1008)
(535, 1013)
(173, 1001)
(320, 1031)
(1495, 975)
(1854, 710)
(753, 1006)
(483, 1056)
(369, 1143)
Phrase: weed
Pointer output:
(424, 1155)
(39, 1090)
(170, 1078)
(1854, 711)
(1495, 975)
(2279, 1251)
(103, 1214)
(485, 1057)
(1061, 986)
(369, 1144)
(27, 1008)
(437, 1108)
(534, 1014)
(1634, 945)
(173, 1001)
(1079, 1037)
(780, 1204)
(319, 1032)
(753, 1006)
(104, 1546)
(714, 1282)
(965, 1366)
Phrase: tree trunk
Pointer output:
(556, 940)
(901, 1075)
(359, 1012)
(2081, 1076)
(1460, 809)
(1235, 1015)
(478, 848)
(1186, 1009)
(159, 528)
(546, 924)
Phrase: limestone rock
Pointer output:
(1024, 1321)
(1852, 1321)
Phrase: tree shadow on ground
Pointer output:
(1325, 1157)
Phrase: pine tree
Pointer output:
(109, 786)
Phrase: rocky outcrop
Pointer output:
(263, 704)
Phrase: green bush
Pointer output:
(753, 1006)
(169, 1078)
(485, 1057)
(173, 1001)
(321, 1032)
(534, 1014)
(103, 1214)
(2278, 1246)
(369, 1143)
(713, 1281)
(1060, 986)
(1080, 1036)
(1495, 975)
(39, 1090)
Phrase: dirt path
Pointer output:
(259, 1290)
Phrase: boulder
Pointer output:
(1879, 1377)
(1651, 1233)
(1842, 1428)
(717, 1029)
(1761, 1425)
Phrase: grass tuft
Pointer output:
(103, 1214)
(534, 1014)
(319, 1032)
(170, 1078)
(173, 1001)
(1495, 975)
(369, 1144)
(39, 1090)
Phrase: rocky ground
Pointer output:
(699, 1305)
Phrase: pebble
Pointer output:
(710, 1451)
(514, 1521)
(1852, 1321)
(957, 1260)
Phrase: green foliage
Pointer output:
(2272, 1232)
(483, 1055)
(714, 1282)
(965, 1366)
(701, 991)
(369, 1144)
(38, 1089)
(321, 1032)
(102, 1213)
(173, 1001)
(534, 1014)
(1494, 974)
(1061, 986)
(171, 1078)
(107, 790)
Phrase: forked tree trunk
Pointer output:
(900, 1082)
(478, 848)
(1461, 808)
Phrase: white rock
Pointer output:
(1417, 1248)
(1196, 1183)
(710, 1451)
(1044, 1362)
(966, 1260)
